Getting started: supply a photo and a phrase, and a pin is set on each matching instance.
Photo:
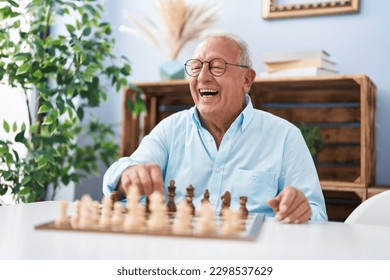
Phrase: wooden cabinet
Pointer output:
(342, 106)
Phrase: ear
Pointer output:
(250, 75)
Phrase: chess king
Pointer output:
(224, 144)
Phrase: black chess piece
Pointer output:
(171, 196)
(190, 194)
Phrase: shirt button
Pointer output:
(218, 170)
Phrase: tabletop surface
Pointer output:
(316, 240)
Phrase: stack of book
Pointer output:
(303, 63)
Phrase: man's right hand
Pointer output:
(148, 178)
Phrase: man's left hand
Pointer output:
(291, 206)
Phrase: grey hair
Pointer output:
(244, 57)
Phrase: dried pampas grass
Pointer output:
(181, 23)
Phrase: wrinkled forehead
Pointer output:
(217, 47)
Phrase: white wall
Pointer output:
(359, 43)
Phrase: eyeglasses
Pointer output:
(217, 66)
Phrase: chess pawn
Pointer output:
(117, 216)
(105, 219)
(135, 220)
(182, 223)
(132, 198)
(85, 212)
(63, 220)
(230, 222)
(158, 219)
(206, 223)
(206, 196)
(95, 213)
(75, 219)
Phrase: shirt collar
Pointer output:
(244, 118)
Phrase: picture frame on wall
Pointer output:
(273, 9)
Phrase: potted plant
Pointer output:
(68, 73)
(312, 136)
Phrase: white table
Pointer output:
(319, 241)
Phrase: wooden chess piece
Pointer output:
(182, 223)
(117, 216)
(226, 199)
(105, 219)
(189, 195)
(147, 202)
(63, 220)
(243, 210)
(206, 196)
(231, 222)
(158, 219)
(86, 221)
(206, 224)
(171, 194)
(75, 219)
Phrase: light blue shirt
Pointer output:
(259, 155)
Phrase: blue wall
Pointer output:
(359, 43)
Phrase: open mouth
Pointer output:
(207, 92)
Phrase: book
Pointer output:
(290, 56)
(301, 63)
(307, 71)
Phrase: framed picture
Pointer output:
(284, 9)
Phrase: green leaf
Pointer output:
(22, 56)
(3, 190)
(87, 31)
(24, 191)
(20, 136)
(125, 70)
(45, 107)
(34, 127)
(14, 127)
(32, 198)
(47, 120)
(25, 180)
(8, 158)
(7, 175)
(6, 126)
(3, 149)
(23, 69)
(70, 28)
(13, 3)
(80, 113)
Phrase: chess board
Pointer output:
(250, 230)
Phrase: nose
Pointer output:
(205, 73)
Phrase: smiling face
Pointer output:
(220, 99)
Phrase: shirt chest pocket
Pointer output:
(258, 186)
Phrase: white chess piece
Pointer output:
(85, 212)
(183, 220)
(105, 219)
(75, 219)
(117, 216)
(230, 222)
(158, 219)
(206, 222)
(63, 220)
(135, 218)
